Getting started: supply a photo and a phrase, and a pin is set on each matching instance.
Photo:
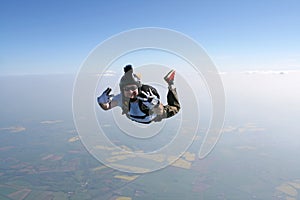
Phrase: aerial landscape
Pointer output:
(42, 156)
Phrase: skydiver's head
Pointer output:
(130, 91)
(130, 83)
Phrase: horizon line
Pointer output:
(262, 71)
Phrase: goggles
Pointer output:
(130, 88)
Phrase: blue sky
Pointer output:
(56, 36)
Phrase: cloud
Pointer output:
(107, 73)
(13, 129)
(245, 147)
(51, 121)
(250, 127)
(262, 72)
(278, 72)
(73, 139)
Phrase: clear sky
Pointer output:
(56, 36)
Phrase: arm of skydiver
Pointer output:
(106, 101)
(159, 109)
(150, 100)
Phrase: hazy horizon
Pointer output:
(256, 155)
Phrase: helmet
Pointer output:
(129, 78)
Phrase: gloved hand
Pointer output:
(150, 101)
(105, 97)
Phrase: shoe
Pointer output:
(169, 78)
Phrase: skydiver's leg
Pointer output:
(173, 106)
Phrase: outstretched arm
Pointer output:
(105, 100)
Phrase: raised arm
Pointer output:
(106, 101)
